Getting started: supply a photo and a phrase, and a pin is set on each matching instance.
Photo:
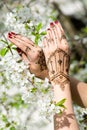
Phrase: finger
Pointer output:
(17, 43)
(55, 32)
(23, 42)
(61, 31)
(55, 36)
(60, 26)
(63, 40)
(25, 39)
(48, 37)
(51, 25)
(24, 57)
(45, 46)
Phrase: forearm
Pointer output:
(79, 92)
(67, 120)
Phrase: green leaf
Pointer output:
(38, 27)
(53, 18)
(33, 90)
(33, 33)
(4, 118)
(1, 128)
(43, 33)
(14, 48)
(12, 128)
(84, 30)
(3, 98)
(60, 103)
(3, 51)
(4, 41)
(17, 101)
(37, 39)
(26, 26)
(11, 44)
(8, 124)
(45, 90)
(19, 61)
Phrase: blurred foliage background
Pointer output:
(72, 14)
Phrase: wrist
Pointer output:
(60, 80)
(44, 74)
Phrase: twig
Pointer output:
(7, 7)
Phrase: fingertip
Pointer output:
(56, 22)
(9, 35)
(13, 33)
(51, 24)
(48, 28)
(44, 42)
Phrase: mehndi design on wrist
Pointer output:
(58, 64)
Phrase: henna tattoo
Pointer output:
(52, 67)
(41, 61)
(59, 61)
(26, 49)
(59, 74)
(50, 40)
(63, 37)
(41, 58)
(26, 52)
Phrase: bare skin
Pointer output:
(78, 93)
(56, 51)
(31, 54)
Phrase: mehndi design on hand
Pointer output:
(57, 55)
(58, 63)
(41, 61)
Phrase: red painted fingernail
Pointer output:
(19, 51)
(12, 33)
(56, 22)
(9, 35)
(48, 29)
(51, 24)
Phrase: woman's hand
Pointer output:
(30, 53)
(56, 52)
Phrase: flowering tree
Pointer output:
(22, 95)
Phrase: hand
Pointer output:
(57, 52)
(30, 53)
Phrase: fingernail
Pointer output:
(48, 29)
(51, 24)
(12, 33)
(56, 22)
(9, 35)
(19, 51)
